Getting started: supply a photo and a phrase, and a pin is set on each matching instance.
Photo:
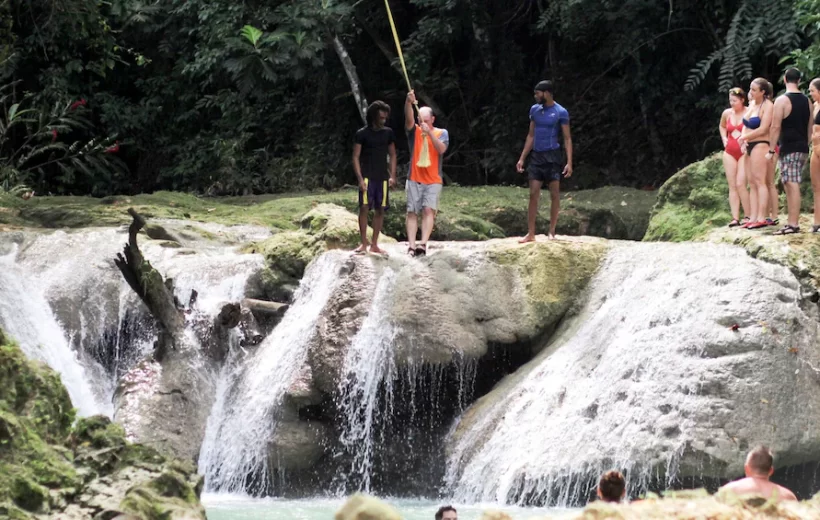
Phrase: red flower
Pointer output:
(53, 135)
(80, 103)
(113, 149)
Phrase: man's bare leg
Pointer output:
(428, 218)
(378, 221)
(532, 211)
(555, 205)
(412, 222)
(793, 202)
(363, 211)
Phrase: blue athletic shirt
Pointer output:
(548, 121)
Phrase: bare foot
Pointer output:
(376, 250)
(551, 236)
(528, 238)
(362, 249)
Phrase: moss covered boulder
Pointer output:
(695, 201)
(51, 466)
(327, 226)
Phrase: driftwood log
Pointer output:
(158, 295)
(153, 290)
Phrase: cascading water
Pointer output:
(369, 369)
(27, 317)
(234, 456)
(647, 378)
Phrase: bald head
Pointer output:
(426, 115)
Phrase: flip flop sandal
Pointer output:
(421, 251)
(734, 223)
(815, 229)
(772, 222)
(359, 252)
(787, 230)
(757, 225)
(411, 252)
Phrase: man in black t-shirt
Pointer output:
(374, 143)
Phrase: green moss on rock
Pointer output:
(553, 273)
(691, 202)
(46, 465)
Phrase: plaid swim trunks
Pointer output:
(791, 166)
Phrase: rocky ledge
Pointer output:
(52, 466)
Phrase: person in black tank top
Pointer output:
(814, 91)
(792, 126)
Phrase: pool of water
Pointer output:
(227, 507)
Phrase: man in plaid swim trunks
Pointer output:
(791, 124)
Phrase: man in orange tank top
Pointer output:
(424, 185)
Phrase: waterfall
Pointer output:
(27, 317)
(253, 384)
(369, 364)
(644, 378)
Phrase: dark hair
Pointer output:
(792, 75)
(612, 486)
(544, 86)
(764, 85)
(760, 459)
(374, 109)
(444, 509)
(738, 93)
(815, 83)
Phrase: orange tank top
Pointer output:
(432, 173)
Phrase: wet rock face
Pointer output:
(51, 465)
(682, 358)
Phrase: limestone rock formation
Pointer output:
(86, 470)
(681, 359)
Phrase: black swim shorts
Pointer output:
(546, 166)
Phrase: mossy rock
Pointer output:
(691, 202)
(288, 253)
(45, 464)
(695, 201)
(553, 273)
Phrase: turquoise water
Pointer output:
(224, 507)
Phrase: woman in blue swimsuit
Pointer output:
(755, 142)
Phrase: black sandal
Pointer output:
(421, 250)
(815, 229)
(411, 252)
(787, 230)
(734, 223)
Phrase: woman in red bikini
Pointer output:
(757, 123)
(731, 126)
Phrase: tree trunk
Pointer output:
(153, 290)
(352, 77)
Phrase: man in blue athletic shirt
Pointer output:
(548, 120)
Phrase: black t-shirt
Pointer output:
(373, 158)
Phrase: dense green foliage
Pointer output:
(224, 97)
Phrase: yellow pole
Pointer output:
(424, 154)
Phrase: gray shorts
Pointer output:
(421, 196)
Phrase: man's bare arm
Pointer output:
(568, 148)
(409, 117)
(357, 167)
(527, 147)
(777, 121)
(391, 149)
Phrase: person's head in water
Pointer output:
(792, 76)
(426, 115)
(543, 92)
(759, 90)
(759, 463)
(814, 89)
(612, 486)
(447, 513)
(737, 98)
(377, 114)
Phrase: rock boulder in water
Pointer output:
(651, 377)
(52, 465)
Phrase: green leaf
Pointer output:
(13, 111)
(252, 34)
